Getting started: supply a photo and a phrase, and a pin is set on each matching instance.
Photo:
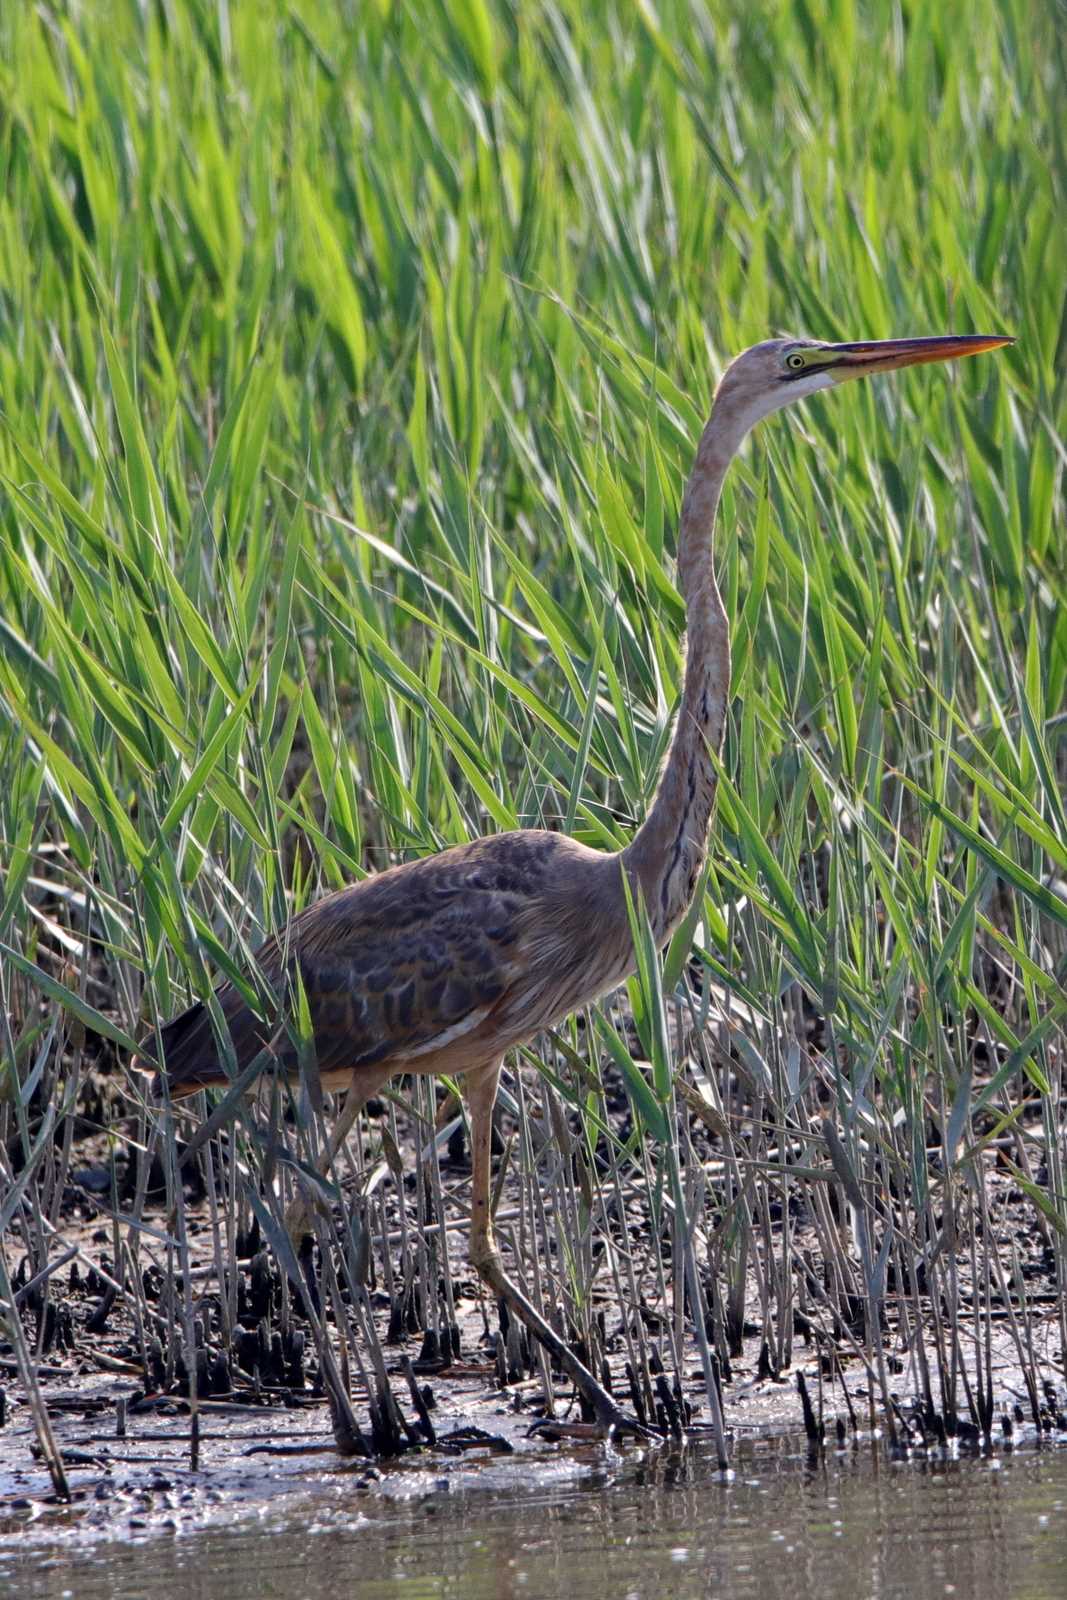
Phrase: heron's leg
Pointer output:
(480, 1087)
(365, 1086)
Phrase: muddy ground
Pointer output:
(127, 1443)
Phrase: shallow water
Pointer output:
(855, 1526)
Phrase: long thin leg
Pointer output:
(480, 1087)
(365, 1086)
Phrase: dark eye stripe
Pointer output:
(806, 367)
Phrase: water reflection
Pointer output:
(851, 1524)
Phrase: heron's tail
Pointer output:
(190, 1055)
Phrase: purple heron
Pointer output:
(443, 964)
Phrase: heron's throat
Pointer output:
(668, 851)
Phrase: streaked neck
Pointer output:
(668, 850)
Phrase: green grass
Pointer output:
(352, 358)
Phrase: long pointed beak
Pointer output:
(883, 355)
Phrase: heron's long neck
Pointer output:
(668, 850)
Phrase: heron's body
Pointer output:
(442, 965)
(439, 965)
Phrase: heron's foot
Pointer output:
(611, 1423)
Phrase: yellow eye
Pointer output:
(796, 361)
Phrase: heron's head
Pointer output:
(770, 375)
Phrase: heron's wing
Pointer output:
(392, 968)
(403, 990)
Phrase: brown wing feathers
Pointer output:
(390, 967)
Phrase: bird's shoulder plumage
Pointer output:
(405, 963)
